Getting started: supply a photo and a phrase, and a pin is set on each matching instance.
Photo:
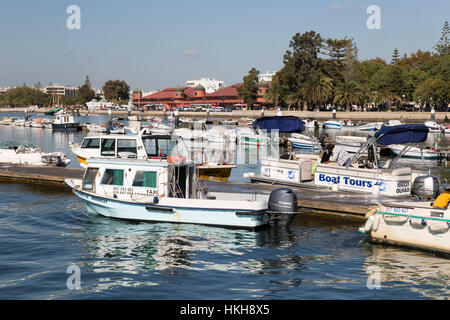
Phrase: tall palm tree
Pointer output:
(347, 93)
(318, 89)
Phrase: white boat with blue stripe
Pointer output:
(167, 190)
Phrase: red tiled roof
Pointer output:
(230, 91)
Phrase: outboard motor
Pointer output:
(282, 207)
(426, 187)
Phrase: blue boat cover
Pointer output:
(286, 124)
(401, 134)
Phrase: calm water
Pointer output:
(44, 230)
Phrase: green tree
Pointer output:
(337, 51)
(442, 47)
(116, 90)
(85, 94)
(435, 92)
(390, 83)
(317, 90)
(249, 89)
(23, 97)
(347, 94)
(395, 57)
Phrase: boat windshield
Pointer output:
(158, 148)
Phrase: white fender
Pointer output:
(395, 219)
(376, 222)
(438, 226)
(416, 222)
(369, 224)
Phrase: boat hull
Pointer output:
(412, 226)
(69, 127)
(206, 215)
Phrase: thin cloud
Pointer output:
(190, 53)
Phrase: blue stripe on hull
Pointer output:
(137, 211)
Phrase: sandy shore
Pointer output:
(409, 117)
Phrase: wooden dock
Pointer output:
(311, 201)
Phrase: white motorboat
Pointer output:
(64, 122)
(167, 190)
(367, 175)
(303, 141)
(433, 126)
(393, 123)
(332, 124)
(411, 224)
(351, 144)
(160, 129)
(416, 153)
(6, 121)
(37, 123)
(27, 153)
(142, 146)
(372, 126)
(92, 127)
(447, 130)
(19, 122)
(219, 134)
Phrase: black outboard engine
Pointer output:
(282, 207)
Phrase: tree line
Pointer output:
(322, 71)
(115, 91)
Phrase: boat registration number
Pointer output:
(397, 210)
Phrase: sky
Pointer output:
(157, 44)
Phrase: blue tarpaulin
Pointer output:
(287, 124)
(401, 134)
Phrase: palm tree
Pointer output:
(294, 98)
(347, 93)
(318, 89)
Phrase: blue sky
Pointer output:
(157, 44)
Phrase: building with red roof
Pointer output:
(187, 96)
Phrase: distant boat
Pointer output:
(373, 126)
(332, 124)
(433, 126)
(52, 112)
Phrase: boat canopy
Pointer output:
(17, 144)
(402, 134)
(286, 124)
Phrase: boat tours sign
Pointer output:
(362, 184)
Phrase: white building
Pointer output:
(266, 76)
(59, 90)
(209, 85)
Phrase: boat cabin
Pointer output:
(141, 181)
(141, 146)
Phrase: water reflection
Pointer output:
(420, 272)
(134, 247)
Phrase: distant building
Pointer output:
(186, 96)
(56, 89)
(209, 85)
(267, 77)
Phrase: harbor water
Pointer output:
(46, 233)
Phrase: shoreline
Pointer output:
(409, 117)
